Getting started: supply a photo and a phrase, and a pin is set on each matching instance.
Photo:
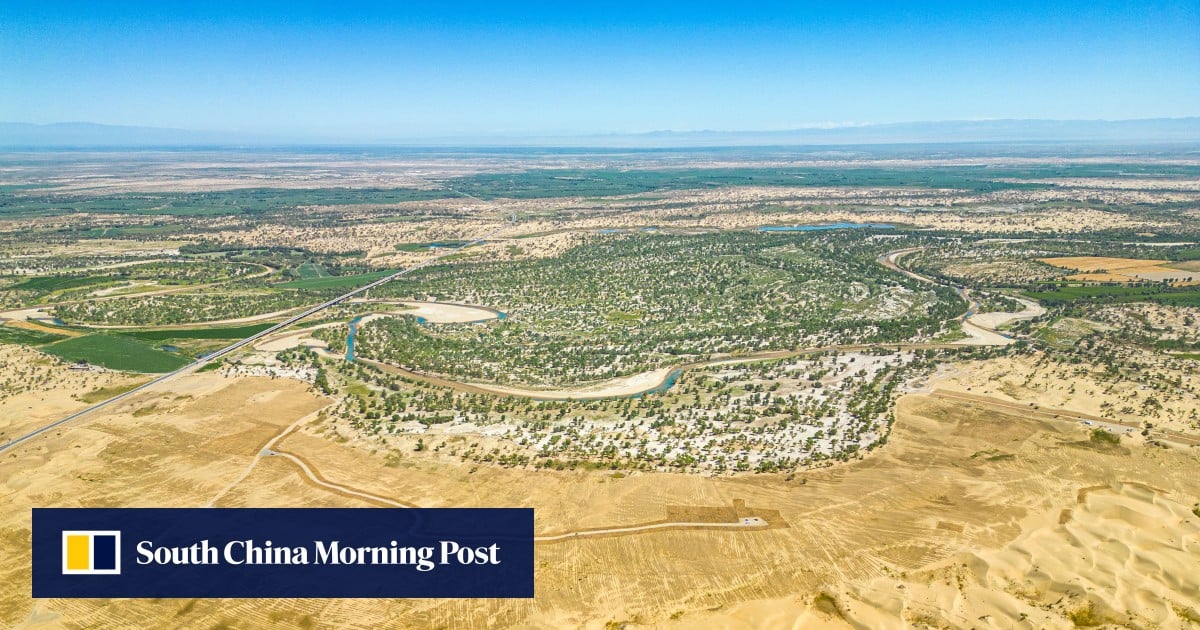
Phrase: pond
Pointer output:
(667, 383)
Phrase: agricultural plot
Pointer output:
(1104, 269)
(309, 270)
(194, 341)
(57, 283)
(183, 308)
(1022, 263)
(319, 283)
(218, 332)
(26, 337)
(1185, 296)
(118, 277)
(116, 353)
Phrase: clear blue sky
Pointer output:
(405, 69)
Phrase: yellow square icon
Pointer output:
(78, 552)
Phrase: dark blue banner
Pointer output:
(287, 552)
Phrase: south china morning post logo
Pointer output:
(91, 552)
(282, 552)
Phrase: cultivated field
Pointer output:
(1101, 269)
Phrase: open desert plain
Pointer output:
(739, 390)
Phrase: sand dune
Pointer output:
(1124, 548)
(966, 519)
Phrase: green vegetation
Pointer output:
(117, 353)
(1176, 296)
(58, 283)
(216, 332)
(1066, 332)
(998, 303)
(104, 393)
(335, 282)
(762, 416)
(420, 247)
(77, 285)
(607, 182)
(251, 201)
(310, 270)
(625, 299)
(26, 337)
(1086, 617)
(598, 183)
(32, 200)
(183, 308)
(613, 306)
(1104, 437)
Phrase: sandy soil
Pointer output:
(1099, 277)
(996, 320)
(446, 312)
(295, 337)
(978, 336)
(955, 523)
(101, 246)
(126, 286)
(36, 389)
(294, 340)
(40, 326)
(1094, 263)
(1033, 379)
(26, 313)
(1100, 269)
(1168, 275)
(624, 386)
(1164, 322)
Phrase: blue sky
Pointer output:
(361, 70)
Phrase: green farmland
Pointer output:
(116, 353)
(335, 282)
(248, 201)
(217, 332)
(1186, 296)
(25, 337)
(309, 270)
(58, 283)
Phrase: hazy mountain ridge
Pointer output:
(1158, 130)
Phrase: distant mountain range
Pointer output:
(1152, 130)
